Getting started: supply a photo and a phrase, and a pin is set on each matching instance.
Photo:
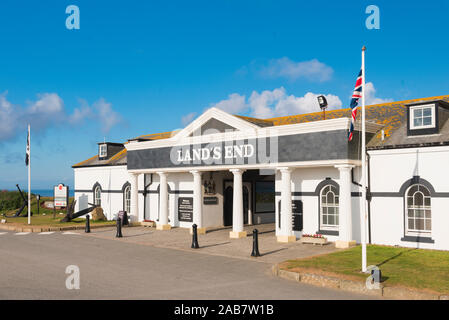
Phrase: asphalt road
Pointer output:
(33, 266)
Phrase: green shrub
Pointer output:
(10, 200)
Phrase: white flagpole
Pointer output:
(363, 215)
(29, 175)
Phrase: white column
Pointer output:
(163, 203)
(134, 197)
(286, 232)
(345, 208)
(237, 206)
(198, 202)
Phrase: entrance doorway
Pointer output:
(229, 200)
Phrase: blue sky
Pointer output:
(139, 67)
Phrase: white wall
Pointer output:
(212, 214)
(306, 180)
(111, 179)
(389, 170)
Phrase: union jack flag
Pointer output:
(356, 95)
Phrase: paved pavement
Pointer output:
(33, 266)
(217, 242)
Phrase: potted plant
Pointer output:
(314, 239)
(148, 223)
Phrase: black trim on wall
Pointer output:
(320, 186)
(96, 184)
(125, 185)
(417, 239)
(328, 232)
(325, 182)
(406, 185)
(140, 191)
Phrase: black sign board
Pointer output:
(296, 215)
(210, 200)
(296, 206)
(185, 209)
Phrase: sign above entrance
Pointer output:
(217, 153)
(313, 146)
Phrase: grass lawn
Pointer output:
(47, 219)
(407, 267)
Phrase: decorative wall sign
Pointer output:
(210, 200)
(209, 186)
(185, 209)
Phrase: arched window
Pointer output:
(329, 203)
(97, 196)
(419, 216)
(127, 199)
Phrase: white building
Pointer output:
(226, 170)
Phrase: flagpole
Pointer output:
(29, 175)
(363, 202)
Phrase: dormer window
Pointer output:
(422, 117)
(103, 152)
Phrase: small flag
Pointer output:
(356, 95)
(27, 157)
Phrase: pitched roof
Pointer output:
(120, 157)
(391, 115)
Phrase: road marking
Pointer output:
(21, 233)
(69, 232)
(47, 232)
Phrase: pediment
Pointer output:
(211, 126)
(213, 121)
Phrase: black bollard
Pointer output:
(119, 228)
(255, 252)
(194, 237)
(87, 230)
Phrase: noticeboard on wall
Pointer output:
(297, 215)
(210, 200)
(185, 209)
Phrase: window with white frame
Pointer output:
(127, 199)
(419, 215)
(97, 196)
(329, 203)
(422, 117)
(103, 151)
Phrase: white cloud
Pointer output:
(81, 113)
(273, 103)
(234, 104)
(370, 95)
(261, 103)
(47, 111)
(277, 103)
(107, 117)
(8, 118)
(185, 120)
(312, 70)
(48, 103)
